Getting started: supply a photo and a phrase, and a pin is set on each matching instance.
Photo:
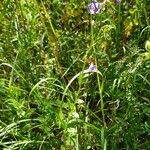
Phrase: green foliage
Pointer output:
(48, 100)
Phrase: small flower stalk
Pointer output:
(92, 22)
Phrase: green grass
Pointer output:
(47, 101)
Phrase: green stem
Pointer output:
(100, 86)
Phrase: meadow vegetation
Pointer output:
(49, 97)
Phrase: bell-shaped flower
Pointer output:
(92, 68)
(94, 7)
(117, 1)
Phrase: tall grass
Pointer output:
(49, 99)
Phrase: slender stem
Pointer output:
(100, 87)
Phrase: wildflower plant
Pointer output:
(50, 98)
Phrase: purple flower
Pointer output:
(92, 68)
(117, 1)
(94, 7)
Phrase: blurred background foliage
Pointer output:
(45, 43)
